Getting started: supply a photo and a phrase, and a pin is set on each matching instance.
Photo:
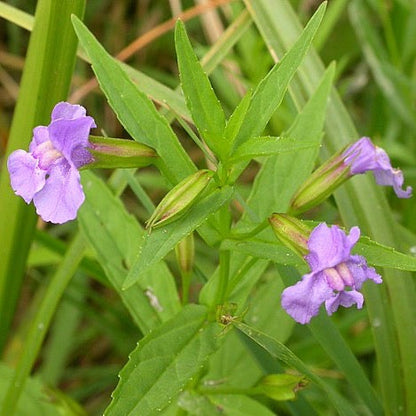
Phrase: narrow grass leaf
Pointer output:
(159, 242)
(163, 363)
(134, 109)
(280, 352)
(201, 100)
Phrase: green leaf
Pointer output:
(384, 256)
(236, 119)
(271, 90)
(163, 363)
(262, 249)
(281, 175)
(267, 146)
(134, 109)
(115, 236)
(201, 100)
(34, 401)
(159, 242)
(222, 404)
(279, 351)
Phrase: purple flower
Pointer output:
(336, 275)
(363, 156)
(48, 174)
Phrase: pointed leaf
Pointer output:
(163, 363)
(281, 175)
(271, 90)
(134, 110)
(201, 100)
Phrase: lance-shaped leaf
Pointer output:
(135, 111)
(163, 363)
(180, 198)
(271, 90)
(201, 100)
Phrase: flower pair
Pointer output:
(336, 275)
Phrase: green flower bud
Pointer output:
(180, 198)
(320, 185)
(292, 232)
(119, 153)
(281, 386)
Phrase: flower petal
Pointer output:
(361, 156)
(303, 300)
(40, 135)
(329, 246)
(66, 111)
(62, 195)
(393, 177)
(345, 299)
(361, 271)
(70, 137)
(26, 177)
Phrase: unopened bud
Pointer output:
(281, 386)
(180, 198)
(119, 153)
(321, 184)
(292, 232)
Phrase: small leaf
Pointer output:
(201, 100)
(163, 363)
(159, 242)
(267, 146)
(269, 250)
(236, 119)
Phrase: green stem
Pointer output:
(41, 322)
(45, 81)
(224, 277)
